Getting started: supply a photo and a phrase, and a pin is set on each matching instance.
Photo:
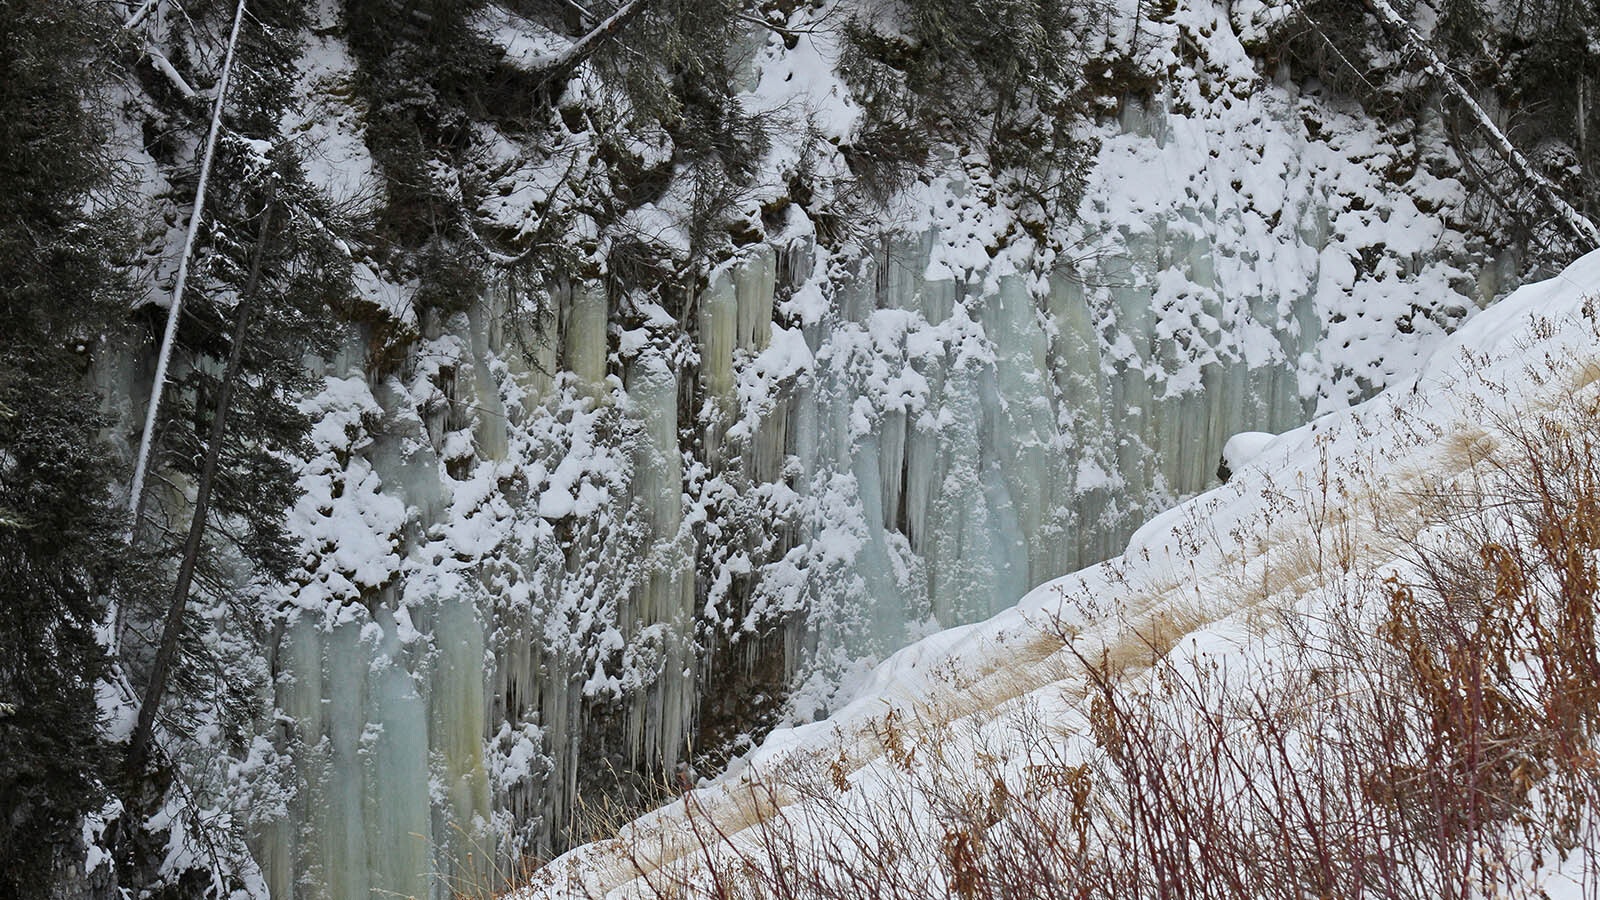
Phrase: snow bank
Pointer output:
(1528, 352)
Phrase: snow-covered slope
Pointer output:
(1219, 580)
(534, 554)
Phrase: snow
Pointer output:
(843, 443)
(1244, 447)
(1525, 353)
(348, 528)
(325, 127)
(525, 44)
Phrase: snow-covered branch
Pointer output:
(1575, 221)
(165, 67)
(139, 14)
(585, 46)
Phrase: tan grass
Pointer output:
(1320, 533)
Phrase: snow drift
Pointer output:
(1213, 585)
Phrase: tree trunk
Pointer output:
(1583, 230)
(139, 747)
(141, 463)
(567, 60)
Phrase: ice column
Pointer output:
(664, 599)
(583, 333)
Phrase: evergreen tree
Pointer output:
(422, 64)
(61, 545)
(1003, 76)
(271, 249)
(268, 270)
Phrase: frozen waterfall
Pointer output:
(520, 544)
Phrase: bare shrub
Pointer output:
(1421, 728)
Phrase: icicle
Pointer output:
(665, 599)
(754, 284)
(393, 750)
(719, 336)
(583, 334)
(719, 333)
(482, 392)
(1019, 420)
(343, 840)
(456, 731)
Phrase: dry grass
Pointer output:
(1431, 732)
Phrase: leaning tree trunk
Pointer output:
(141, 463)
(139, 747)
(562, 64)
(1582, 229)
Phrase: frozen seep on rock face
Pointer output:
(533, 560)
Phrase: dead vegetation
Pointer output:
(1408, 707)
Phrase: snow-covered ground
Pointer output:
(1222, 565)
(896, 433)
(837, 446)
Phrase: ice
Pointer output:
(519, 544)
(964, 685)
(583, 338)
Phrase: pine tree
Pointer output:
(268, 273)
(60, 546)
(421, 63)
(1002, 76)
